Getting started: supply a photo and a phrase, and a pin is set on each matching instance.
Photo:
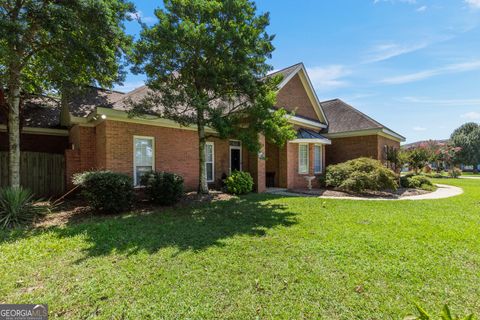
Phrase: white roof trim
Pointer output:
(318, 141)
(42, 131)
(380, 131)
(306, 122)
(393, 134)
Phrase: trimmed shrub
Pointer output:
(105, 190)
(17, 207)
(239, 182)
(417, 182)
(321, 179)
(163, 188)
(360, 175)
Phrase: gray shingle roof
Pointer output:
(39, 112)
(44, 112)
(342, 117)
(86, 100)
(308, 134)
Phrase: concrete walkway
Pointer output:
(443, 191)
(469, 177)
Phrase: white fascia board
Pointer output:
(317, 141)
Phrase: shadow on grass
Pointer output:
(187, 228)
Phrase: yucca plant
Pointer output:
(445, 315)
(18, 207)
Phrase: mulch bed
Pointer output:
(75, 209)
(400, 193)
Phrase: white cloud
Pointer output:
(419, 129)
(475, 4)
(426, 74)
(471, 115)
(422, 9)
(387, 51)
(139, 16)
(329, 77)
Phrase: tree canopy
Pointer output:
(49, 46)
(467, 137)
(206, 65)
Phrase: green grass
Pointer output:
(260, 256)
(470, 174)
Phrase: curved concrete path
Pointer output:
(443, 191)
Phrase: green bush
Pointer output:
(455, 173)
(417, 182)
(163, 188)
(105, 190)
(239, 182)
(17, 208)
(360, 175)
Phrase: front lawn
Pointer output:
(260, 256)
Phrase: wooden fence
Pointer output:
(42, 173)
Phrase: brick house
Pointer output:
(96, 133)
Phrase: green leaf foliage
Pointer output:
(206, 62)
(52, 44)
(417, 182)
(106, 191)
(360, 175)
(239, 182)
(467, 138)
(163, 188)
(446, 314)
(18, 208)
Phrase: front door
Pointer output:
(235, 156)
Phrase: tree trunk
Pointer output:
(202, 183)
(14, 129)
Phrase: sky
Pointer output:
(413, 65)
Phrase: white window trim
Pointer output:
(134, 157)
(230, 155)
(213, 162)
(321, 159)
(299, 158)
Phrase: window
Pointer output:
(143, 158)
(209, 160)
(303, 158)
(318, 161)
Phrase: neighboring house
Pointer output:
(96, 133)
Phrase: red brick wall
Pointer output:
(101, 146)
(37, 143)
(382, 142)
(344, 149)
(288, 167)
(110, 146)
(272, 154)
(293, 97)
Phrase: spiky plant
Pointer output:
(18, 207)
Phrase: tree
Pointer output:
(418, 158)
(467, 137)
(56, 46)
(448, 154)
(205, 62)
